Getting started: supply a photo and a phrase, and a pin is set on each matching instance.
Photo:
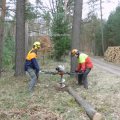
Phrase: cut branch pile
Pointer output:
(112, 54)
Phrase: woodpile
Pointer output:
(112, 54)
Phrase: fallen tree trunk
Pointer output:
(91, 112)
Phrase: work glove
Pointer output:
(40, 71)
(37, 75)
(81, 72)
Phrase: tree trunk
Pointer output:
(91, 112)
(26, 33)
(2, 17)
(77, 17)
(26, 38)
(20, 38)
(101, 22)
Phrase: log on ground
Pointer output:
(90, 111)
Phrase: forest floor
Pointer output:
(47, 103)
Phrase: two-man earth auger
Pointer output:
(91, 112)
(60, 70)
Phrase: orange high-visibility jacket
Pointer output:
(84, 62)
(31, 61)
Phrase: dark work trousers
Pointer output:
(82, 78)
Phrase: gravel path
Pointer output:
(112, 68)
(104, 88)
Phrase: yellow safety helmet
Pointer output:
(74, 52)
(36, 45)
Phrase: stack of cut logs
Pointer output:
(112, 54)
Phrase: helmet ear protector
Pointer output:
(74, 52)
(77, 53)
(36, 45)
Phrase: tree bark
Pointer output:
(101, 23)
(91, 112)
(77, 18)
(26, 38)
(20, 38)
(26, 32)
(2, 17)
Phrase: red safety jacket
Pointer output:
(84, 62)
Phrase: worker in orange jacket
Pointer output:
(32, 66)
(84, 67)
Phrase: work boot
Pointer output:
(86, 87)
(80, 83)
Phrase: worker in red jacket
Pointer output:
(32, 66)
(84, 67)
